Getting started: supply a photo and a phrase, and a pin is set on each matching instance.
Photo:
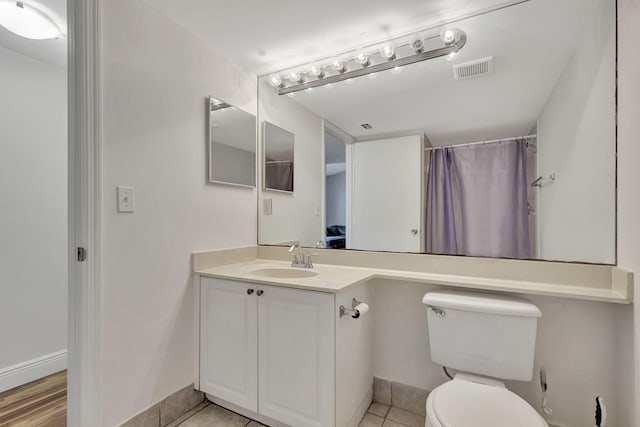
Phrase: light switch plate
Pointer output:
(267, 206)
(126, 199)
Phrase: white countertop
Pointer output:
(333, 279)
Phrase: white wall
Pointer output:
(628, 330)
(575, 341)
(336, 199)
(576, 130)
(156, 77)
(33, 208)
(232, 164)
(294, 215)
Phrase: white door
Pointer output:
(387, 208)
(296, 346)
(228, 341)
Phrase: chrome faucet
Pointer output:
(299, 259)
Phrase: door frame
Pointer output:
(348, 140)
(84, 214)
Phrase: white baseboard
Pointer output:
(31, 370)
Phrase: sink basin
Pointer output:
(284, 273)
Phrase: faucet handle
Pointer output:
(309, 263)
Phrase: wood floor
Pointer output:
(42, 403)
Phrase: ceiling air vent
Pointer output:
(477, 68)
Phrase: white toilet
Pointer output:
(485, 338)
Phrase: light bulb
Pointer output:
(452, 56)
(316, 71)
(396, 70)
(417, 43)
(275, 80)
(449, 36)
(295, 78)
(339, 66)
(362, 58)
(28, 21)
(388, 51)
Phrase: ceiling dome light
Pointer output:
(417, 43)
(362, 58)
(27, 21)
(296, 78)
(339, 66)
(275, 81)
(449, 36)
(388, 51)
(316, 71)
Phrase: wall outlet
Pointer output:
(126, 199)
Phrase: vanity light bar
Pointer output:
(321, 80)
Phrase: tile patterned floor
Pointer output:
(378, 415)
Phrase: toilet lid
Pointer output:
(461, 403)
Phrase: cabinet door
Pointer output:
(229, 341)
(296, 347)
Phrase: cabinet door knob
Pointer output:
(414, 231)
(260, 292)
(249, 291)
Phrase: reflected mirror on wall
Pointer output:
(232, 144)
(278, 158)
(505, 148)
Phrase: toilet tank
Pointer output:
(490, 335)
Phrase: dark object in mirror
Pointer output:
(278, 158)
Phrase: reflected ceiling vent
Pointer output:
(366, 126)
(479, 67)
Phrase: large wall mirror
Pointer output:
(232, 144)
(507, 149)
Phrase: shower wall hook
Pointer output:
(543, 180)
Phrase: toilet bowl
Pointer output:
(471, 401)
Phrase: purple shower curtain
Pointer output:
(477, 201)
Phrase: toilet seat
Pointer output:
(463, 403)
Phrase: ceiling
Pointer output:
(269, 35)
(50, 51)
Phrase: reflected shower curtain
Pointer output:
(279, 175)
(477, 201)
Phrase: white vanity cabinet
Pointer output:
(269, 350)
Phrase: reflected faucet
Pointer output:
(299, 260)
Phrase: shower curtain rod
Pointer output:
(489, 141)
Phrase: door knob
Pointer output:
(249, 291)
(414, 231)
(260, 292)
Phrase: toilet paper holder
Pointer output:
(353, 311)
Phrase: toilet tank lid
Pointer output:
(482, 303)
